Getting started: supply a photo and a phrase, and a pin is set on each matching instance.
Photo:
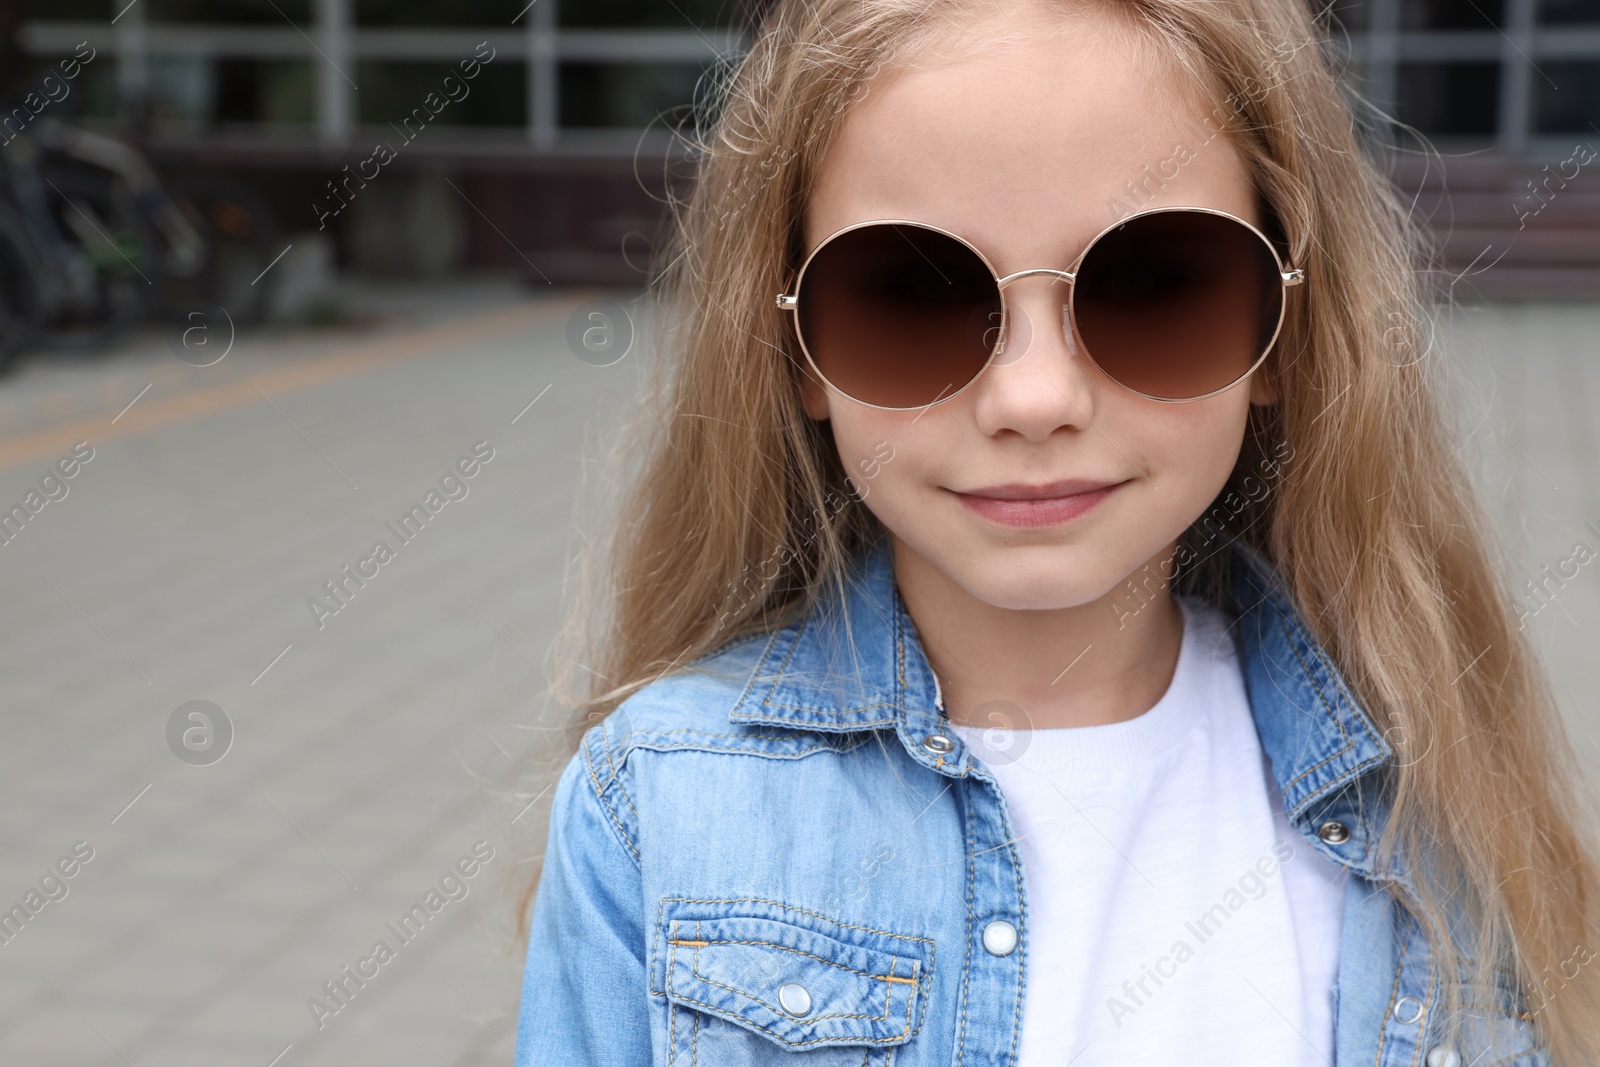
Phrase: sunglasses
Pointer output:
(1175, 304)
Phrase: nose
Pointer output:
(1040, 379)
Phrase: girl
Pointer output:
(1050, 625)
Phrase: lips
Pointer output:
(1019, 504)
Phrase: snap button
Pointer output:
(938, 743)
(1442, 1056)
(999, 937)
(1334, 833)
(794, 999)
(1407, 1009)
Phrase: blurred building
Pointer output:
(1508, 92)
(551, 158)
(543, 151)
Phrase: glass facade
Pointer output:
(591, 74)
(231, 12)
(243, 93)
(427, 13)
(392, 90)
(1448, 99)
(652, 14)
(629, 95)
(1452, 14)
(1520, 75)
(1570, 12)
(1515, 74)
(1570, 101)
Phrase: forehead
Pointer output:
(1028, 139)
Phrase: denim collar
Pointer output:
(855, 662)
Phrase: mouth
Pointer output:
(1018, 504)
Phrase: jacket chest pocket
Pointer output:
(745, 980)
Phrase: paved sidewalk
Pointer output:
(369, 754)
(368, 751)
(1526, 387)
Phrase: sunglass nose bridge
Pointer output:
(1064, 275)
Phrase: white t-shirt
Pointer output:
(1174, 916)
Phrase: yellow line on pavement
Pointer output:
(360, 358)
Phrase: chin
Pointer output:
(1036, 586)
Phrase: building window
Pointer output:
(235, 12)
(496, 14)
(392, 91)
(1574, 107)
(1449, 99)
(1350, 16)
(630, 95)
(649, 14)
(244, 93)
(1452, 14)
(1567, 12)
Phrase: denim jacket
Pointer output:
(785, 855)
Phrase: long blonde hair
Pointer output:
(739, 514)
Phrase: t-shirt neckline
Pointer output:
(1185, 705)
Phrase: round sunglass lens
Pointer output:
(1178, 304)
(896, 315)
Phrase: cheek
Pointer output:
(883, 453)
(1193, 447)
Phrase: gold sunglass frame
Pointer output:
(1288, 276)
